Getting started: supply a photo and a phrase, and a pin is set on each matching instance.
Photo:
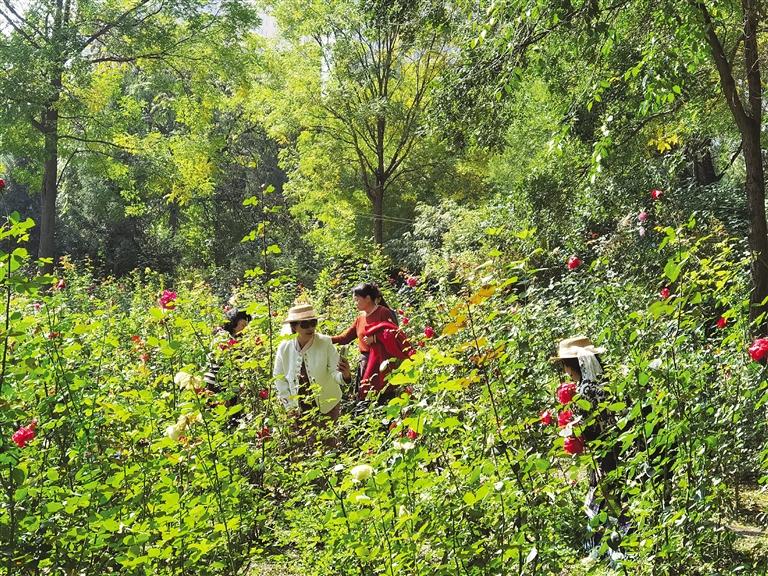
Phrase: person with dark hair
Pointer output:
(226, 336)
(372, 310)
(579, 358)
(237, 321)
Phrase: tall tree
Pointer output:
(378, 61)
(51, 47)
(668, 50)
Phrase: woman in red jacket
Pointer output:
(372, 310)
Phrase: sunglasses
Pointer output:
(305, 324)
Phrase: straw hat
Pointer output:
(571, 347)
(300, 312)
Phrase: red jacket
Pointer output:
(390, 343)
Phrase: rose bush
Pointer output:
(133, 470)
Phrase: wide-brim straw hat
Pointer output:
(300, 312)
(572, 347)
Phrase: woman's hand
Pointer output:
(343, 367)
(370, 339)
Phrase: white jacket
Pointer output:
(322, 362)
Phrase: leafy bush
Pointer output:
(132, 470)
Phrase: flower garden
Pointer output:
(115, 459)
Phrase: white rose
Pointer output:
(361, 472)
(403, 445)
(189, 418)
(363, 499)
(182, 379)
(174, 432)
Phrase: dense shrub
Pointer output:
(132, 470)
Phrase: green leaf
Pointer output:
(671, 270)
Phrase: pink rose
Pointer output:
(429, 332)
(643, 216)
(574, 262)
(545, 418)
(412, 434)
(24, 434)
(404, 320)
(722, 322)
(656, 194)
(564, 418)
(168, 300)
(565, 392)
(665, 293)
(759, 349)
(412, 281)
(263, 393)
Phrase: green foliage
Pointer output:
(135, 470)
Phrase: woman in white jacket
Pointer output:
(308, 371)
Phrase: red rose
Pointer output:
(263, 393)
(412, 434)
(264, 433)
(722, 322)
(643, 216)
(135, 338)
(52, 335)
(759, 349)
(429, 332)
(228, 344)
(404, 321)
(564, 418)
(400, 311)
(545, 418)
(574, 262)
(2, 183)
(412, 281)
(24, 434)
(574, 445)
(665, 293)
(565, 392)
(656, 194)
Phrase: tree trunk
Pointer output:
(377, 197)
(47, 248)
(758, 232)
(753, 162)
(50, 129)
(748, 118)
(703, 165)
